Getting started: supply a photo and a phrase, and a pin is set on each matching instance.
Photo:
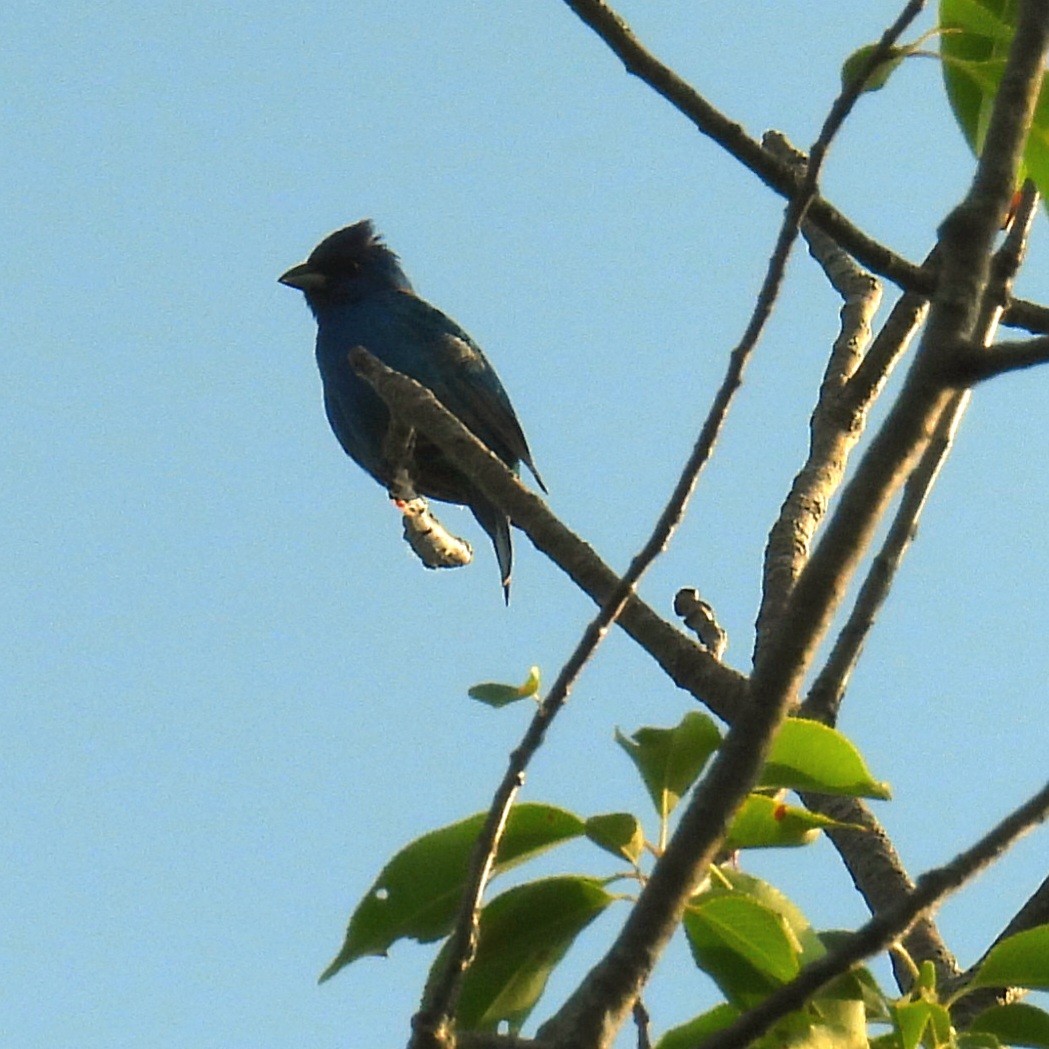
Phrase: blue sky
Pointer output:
(230, 692)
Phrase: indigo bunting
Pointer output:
(360, 296)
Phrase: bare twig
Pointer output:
(888, 347)
(978, 365)
(827, 690)
(698, 615)
(1028, 315)
(870, 858)
(834, 431)
(641, 1021)
(885, 927)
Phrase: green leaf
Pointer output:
(495, 694)
(855, 985)
(809, 1029)
(806, 755)
(975, 1040)
(699, 1028)
(753, 931)
(913, 1018)
(763, 823)
(836, 1017)
(975, 32)
(671, 759)
(978, 18)
(618, 833)
(853, 66)
(775, 900)
(1016, 1024)
(973, 47)
(418, 891)
(1019, 961)
(885, 1041)
(745, 947)
(524, 933)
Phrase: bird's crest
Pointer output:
(358, 250)
(354, 243)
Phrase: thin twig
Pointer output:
(613, 29)
(882, 880)
(1031, 316)
(888, 347)
(835, 426)
(978, 365)
(596, 1010)
(827, 690)
(641, 1021)
(884, 928)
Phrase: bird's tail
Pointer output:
(497, 525)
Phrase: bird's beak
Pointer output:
(303, 278)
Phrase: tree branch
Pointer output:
(888, 347)
(1034, 912)
(978, 365)
(613, 29)
(826, 693)
(882, 880)
(595, 1011)
(684, 661)
(833, 432)
(1031, 316)
(640, 62)
(827, 690)
(870, 858)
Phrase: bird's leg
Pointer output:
(398, 448)
(431, 542)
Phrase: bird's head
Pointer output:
(346, 266)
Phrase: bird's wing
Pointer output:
(423, 342)
(467, 385)
(473, 392)
(471, 389)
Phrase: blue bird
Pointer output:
(359, 295)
